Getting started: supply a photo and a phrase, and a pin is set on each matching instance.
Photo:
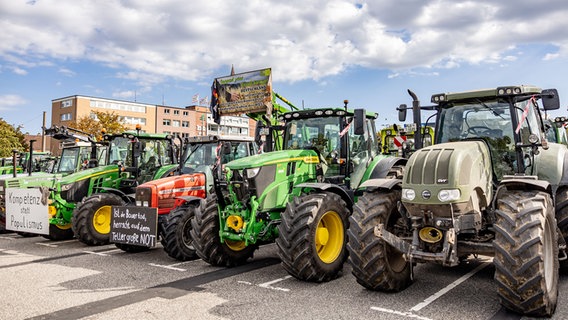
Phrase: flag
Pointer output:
(214, 106)
(195, 98)
(204, 101)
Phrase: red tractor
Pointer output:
(173, 195)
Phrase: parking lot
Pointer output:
(43, 279)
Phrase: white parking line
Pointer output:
(400, 313)
(104, 253)
(51, 245)
(269, 284)
(170, 267)
(450, 287)
(55, 244)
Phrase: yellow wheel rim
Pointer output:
(64, 227)
(235, 245)
(329, 237)
(101, 220)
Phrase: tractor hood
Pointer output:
(89, 173)
(274, 157)
(455, 173)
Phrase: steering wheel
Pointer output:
(480, 130)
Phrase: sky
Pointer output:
(321, 52)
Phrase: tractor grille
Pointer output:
(430, 166)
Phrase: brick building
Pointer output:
(183, 121)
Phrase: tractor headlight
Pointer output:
(252, 172)
(408, 194)
(449, 195)
(66, 187)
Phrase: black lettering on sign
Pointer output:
(133, 225)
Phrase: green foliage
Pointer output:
(109, 121)
(10, 138)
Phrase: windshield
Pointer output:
(319, 133)
(490, 120)
(69, 159)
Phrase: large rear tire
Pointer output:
(311, 240)
(91, 218)
(59, 233)
(178, 243)
(205, 235)
(526, 253)
(376, 264)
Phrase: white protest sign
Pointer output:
(26, 211)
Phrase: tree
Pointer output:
(10, 138)
(110, 121)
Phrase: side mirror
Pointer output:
(401, 112)
(550, 99)
(226, 149)
(359, 120)
(137, 148)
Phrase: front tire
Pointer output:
(59, 233)
(205, 235)
(91, 219)
(376, 264)
(311, 241)
(526, 253)
(178, 243)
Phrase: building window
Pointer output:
(66, 103)
(176, 123)
(166, 122)
(185, 113)
(176, 111)
(185, 124)
(166, 110)
(65, 117)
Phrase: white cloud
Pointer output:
(11, 101)
(300, 40)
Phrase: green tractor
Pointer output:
(490, 185)
(172, 195)
(80, 203)
(300, 196)
(555, 130)
(79, 151)
(26, 162)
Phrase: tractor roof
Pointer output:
(323, 112)
(485, 94)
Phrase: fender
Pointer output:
(374, 184)
(346, 195)
(127, 198)
(381, 169)
(519, 182)
(187, 199)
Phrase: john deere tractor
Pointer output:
(79, 151)
(173, 195)
(300, 196)
(82, 200)
(490, 185)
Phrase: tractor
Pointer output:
(399, 140)
(299, 196)
(555, 130)
(81, 202)
(490, 185)
(79, 150)
(174, 194)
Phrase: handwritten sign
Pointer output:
(26, 210)
(134, 225)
